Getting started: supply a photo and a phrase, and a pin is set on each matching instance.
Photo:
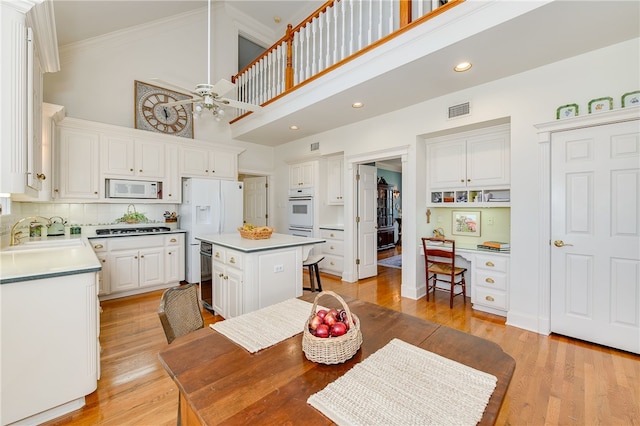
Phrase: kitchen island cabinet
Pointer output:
(253, 274)
(49, 325)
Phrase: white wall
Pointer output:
(527, 99)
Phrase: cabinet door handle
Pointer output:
(489, 298)
(98, 246)
(226, 277)
(135, 257)
(490, 280)
(232, 260)
(462, 180)
(221, 275)
(169, 253)
(332, 264)
(490, 264)
(140, 170)
(173, 240)
(332, 235)
(468, 180)
(104, 261)
(141, 256)
(130, 170)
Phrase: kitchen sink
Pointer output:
(47, 244)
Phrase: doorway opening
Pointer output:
(255, 199)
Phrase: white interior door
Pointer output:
(595, 231)
(368, 222)
(255, 200)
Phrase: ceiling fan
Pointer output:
(206, 95)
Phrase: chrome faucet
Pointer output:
(14, 235)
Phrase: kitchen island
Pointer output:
(49, 327)
(250, 274)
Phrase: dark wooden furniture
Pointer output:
(312, 262)
(385, 216)
(439, 259)
(220, 382)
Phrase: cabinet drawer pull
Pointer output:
(232, 260)
(98, 246)
(169, 253)
(130, 170)
(173, 240)
(221, 275)
(489, 298)
(331, 248)
(490, 280)
(490, 264)
(217, 255)
(332, 264)
(104, 260)
(332, 235)
(140, 170)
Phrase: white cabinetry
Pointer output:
(131, 157)
(228, 295)
(333, 251)
(335, 180)
(171, 186)
(137, 264)
(25, 56)
(302, 175)
(469, 165)
(202, 162)
(490, 290)
(77, 164)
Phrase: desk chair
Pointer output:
(179, 311)
(439, 258)
(312, 262)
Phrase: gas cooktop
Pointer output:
(140, 230)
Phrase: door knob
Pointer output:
(560, 243)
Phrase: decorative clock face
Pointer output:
(153, 115)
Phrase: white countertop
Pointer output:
(277, 241)
(37, 262)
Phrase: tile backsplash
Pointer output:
(80, 214)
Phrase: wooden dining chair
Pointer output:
(439, 258)
(180, 311)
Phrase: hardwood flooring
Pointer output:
(558, 380)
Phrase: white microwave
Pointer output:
(120, 188)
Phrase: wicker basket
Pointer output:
(259, 233)
(332, 350)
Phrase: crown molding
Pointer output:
(42, 19)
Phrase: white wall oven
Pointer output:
(300, 214)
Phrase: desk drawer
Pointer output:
(492, 263)
(491, 279)
(333, 247)
(332, 264)
(492, 298)
(332, 234)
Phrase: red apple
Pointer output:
(315, 322)
(322, 331)
(334, 312)
(321, 313)
(330, 319)
(338, 329)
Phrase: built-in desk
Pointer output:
(487, 278)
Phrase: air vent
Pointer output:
(315, 146)
(458, 110)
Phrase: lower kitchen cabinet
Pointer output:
(490, 292)
(228, 295)
(333, 251)
(137, 264)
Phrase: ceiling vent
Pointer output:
(459, 110)
(315, 146)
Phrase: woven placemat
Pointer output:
(267, 326)
(401, 384)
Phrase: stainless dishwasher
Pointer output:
(206, 275)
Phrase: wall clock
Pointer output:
(152, 115)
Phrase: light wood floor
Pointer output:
(557, 380)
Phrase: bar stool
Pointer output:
(312, 262)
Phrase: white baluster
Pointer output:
(360, 26)
(351, 28)
(320, 43)
(313, 35)
(338, 39)
(328, 47)
(307, 33)
(296, 58)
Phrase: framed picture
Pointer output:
(601, 104)
(465, 223)
(631, 99)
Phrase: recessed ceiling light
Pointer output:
(294, 127)
(462, 66)
(357, 105)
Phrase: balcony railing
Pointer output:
(337, 32)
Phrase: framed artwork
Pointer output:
(152, 114)
(465, 223)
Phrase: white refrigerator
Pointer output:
(209, 206)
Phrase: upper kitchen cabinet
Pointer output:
(131, 157)
(28, 49)
(472, 167)
(207, 162)
(77, 164)
(302, 175)
(335, 180)
(472, 160)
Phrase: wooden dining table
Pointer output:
(220, 382)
